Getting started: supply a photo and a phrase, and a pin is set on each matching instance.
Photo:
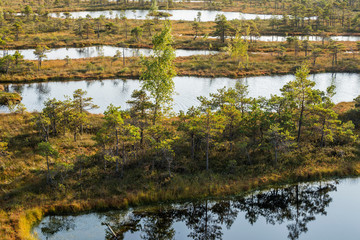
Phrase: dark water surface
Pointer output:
(327, 210)
(188, 89)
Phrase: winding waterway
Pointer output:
(322, 210)
(185, 15)
(109, 51)
(274, 38)
(188, 89)
(106, 51)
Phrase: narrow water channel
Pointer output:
(97, 51)
(185, 15)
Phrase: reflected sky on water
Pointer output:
(185, 15)
(327, 210)
(187, 89)
(97, 51)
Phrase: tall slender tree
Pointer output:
(301, 94)
(47, 150)
(82, 104)
(158, 71)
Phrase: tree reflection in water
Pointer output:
(56, 224)
(42, 90)
(295, 206)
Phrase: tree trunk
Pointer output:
(169, 167)
(81, 111)
(322, 142)
(276, 152)
(124, 160)
(192, 147)
(207, 151)
(48, 179)
(54, 127)
(125, 30)
(300, 121)
(155, 113)
(117, 150)
(141, 137)
(98, 30)
(124, 56)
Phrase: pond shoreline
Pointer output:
(180, 43)
(118, 91)
(136, 76)
(33, 216)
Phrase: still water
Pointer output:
(106, 51)
(110, 51)
(187, 89)
(273, 38)
(185, 15)
(327, 210)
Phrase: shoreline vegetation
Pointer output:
(83, 176)
(35, 29)
(29, 218)
(252, 57)
(66, 160)
(230, 6)
(213, 65)
(269, 7)
(187, 35)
